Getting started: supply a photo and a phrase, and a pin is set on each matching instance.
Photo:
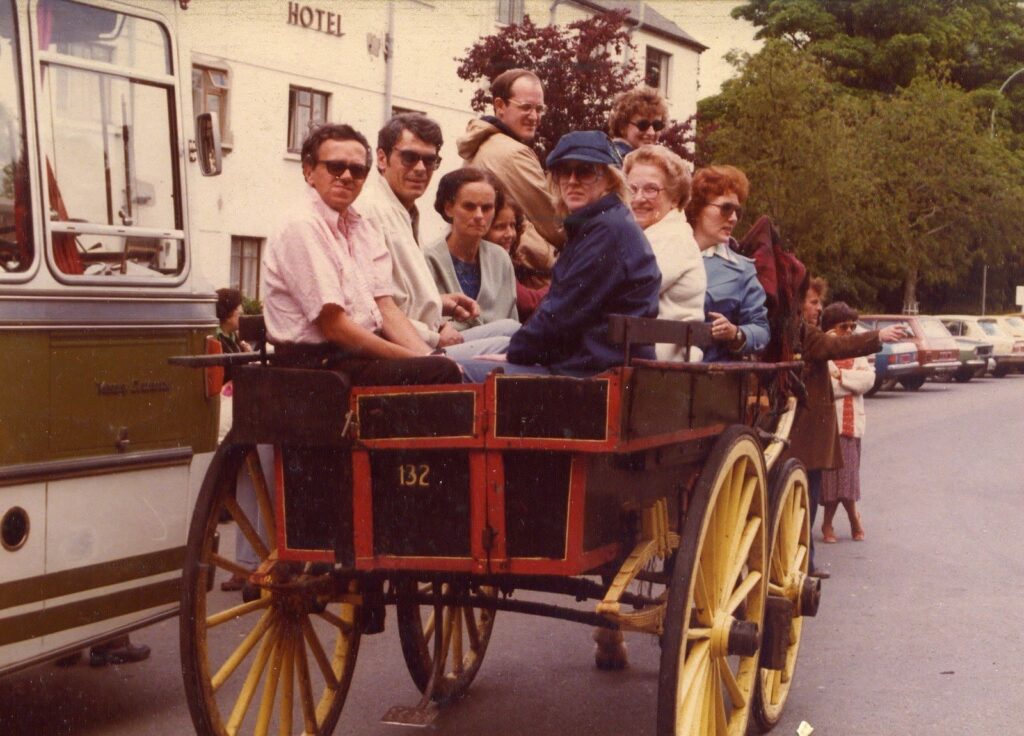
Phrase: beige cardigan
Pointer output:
(497, 297)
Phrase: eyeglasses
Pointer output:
(647, 191)
(585, 173)
(528, 107)
(643, 125)
(337, 169)
(409, 159)
(846, 326)
(728, 209)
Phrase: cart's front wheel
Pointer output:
(464, 633)
(787, 578)
(716, 599)
(282, 660)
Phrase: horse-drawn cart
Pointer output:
(652, 489)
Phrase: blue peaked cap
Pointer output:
(592, 146)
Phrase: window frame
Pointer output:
(241, 241)
(225, 93)
(664, 69)
(509, 12)
(294, 145)
(169, 82)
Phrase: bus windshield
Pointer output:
(108, 140)
(16, 248)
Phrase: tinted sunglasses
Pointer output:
(585, 173)
(728, 209)
(643, 125)
(409, 159)
(337, 169)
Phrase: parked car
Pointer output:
(937, 351)
(1009, 350)
(1007, 353)
(1014, 324)
(893, 361)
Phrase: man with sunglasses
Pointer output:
(408, 148)
(500, 144)
(327, 278)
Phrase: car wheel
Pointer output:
(912, 383)
(963, 375)
(1001, 371)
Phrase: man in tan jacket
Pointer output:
(500, 144)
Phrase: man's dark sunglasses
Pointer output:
(643, 125)
(410, 158)
(337, 169)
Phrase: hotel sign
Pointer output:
(314, 19)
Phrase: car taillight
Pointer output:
(905, 358)
(1018, 347)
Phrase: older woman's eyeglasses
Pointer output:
(647, 191)
(643, 125)
(585, 173)
(728, 209)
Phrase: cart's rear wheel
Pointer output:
(281, 663)
(790, 541)
(465, 633)
(716, 600)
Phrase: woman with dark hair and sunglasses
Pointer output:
(734, 301)
(606, 267)
(463, 261)
(637, 119)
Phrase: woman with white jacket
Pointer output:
(851, 379)
(659, 182)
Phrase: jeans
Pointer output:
(245, 494)
(489, 339)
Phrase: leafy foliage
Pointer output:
(884, 45)
(881, 194)
(580, 63)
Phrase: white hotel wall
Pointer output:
(264, 55)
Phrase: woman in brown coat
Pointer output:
(815, 433)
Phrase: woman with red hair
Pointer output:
(734, 301)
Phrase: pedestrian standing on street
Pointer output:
(814, 438)
(851, 379)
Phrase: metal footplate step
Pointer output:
(417, 716)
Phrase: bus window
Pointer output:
(108, 139)
(16, 251)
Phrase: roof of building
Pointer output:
(650, 20)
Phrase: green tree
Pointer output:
(884, 45)
(881, 194)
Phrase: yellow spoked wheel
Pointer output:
(787, 578)
(280, 661)
(716, 598)
(464, 634)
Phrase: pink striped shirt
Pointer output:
(319, 257)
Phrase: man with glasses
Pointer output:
(408, 148)
(501, 144)
(327, 278)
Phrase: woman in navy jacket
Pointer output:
(606, 267)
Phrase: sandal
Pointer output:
(857, 529)
(828, 535)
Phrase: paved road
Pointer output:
(917, 633)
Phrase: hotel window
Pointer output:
(210, 87)
(656, 70)
(307, 108)
(245, 265)
(510, 11)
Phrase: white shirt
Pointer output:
(414, 289)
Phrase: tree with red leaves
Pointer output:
(580, 64)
